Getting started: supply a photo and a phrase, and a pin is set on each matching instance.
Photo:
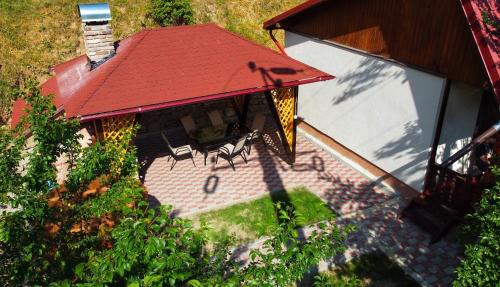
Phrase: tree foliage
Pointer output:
(481, 265)
(96, 227)
(171, 12)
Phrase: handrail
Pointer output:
(477, 141)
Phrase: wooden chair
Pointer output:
(215, 118)
(177, 153)
(189, 125)
(229, 151)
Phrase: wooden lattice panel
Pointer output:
(284, 101)
(115, 127)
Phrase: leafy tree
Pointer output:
(6, 97)
(96, 228)
(171, 12)
(481, 265)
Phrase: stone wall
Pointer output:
(98, 39)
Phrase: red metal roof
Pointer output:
(486, 36)
(163, 67)
(271, 23)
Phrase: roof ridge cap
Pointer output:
(125, 54)
(262, 46)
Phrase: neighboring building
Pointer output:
(410, 79)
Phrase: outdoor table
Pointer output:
(211, 137)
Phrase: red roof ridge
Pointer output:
(260, 46)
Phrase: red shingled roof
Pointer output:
(164, 67)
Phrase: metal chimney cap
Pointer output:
(96, 12)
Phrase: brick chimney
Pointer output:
(97, 32)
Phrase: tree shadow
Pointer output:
(370, 72)
(148, 149)
(211, 184)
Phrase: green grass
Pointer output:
(373, 269)
(251, 220)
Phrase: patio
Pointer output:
(357, 199)
(192, 189)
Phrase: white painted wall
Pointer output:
(459, 124)
(383, 111)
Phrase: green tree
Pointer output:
(171, 12)
(481, 265)
(96, 228)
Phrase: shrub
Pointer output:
(481, 265)
(96, 228)
(171, 12)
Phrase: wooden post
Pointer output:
(431, 170)
(295, 121)
(244, 113)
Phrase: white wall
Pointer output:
(383, 111)
(459, 123)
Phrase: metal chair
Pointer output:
(177, 153)
(256, 130)
(229, 151)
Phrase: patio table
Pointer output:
(211, 137)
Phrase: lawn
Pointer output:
(373, 269)
(251, 220)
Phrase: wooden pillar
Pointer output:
(244, 114)
(431, 170)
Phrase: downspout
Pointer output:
(277, 43)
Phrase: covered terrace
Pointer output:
(198, 88)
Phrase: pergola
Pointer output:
(167, 67)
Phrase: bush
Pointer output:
(481, 265)
(171, 12)
(96, 228)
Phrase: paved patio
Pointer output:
(191, 189)
(358, 200)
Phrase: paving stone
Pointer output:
(375, 209)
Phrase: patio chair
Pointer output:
(177, 153)
(256, 130)
(215, 118)
(229, 151)
(189, 125)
